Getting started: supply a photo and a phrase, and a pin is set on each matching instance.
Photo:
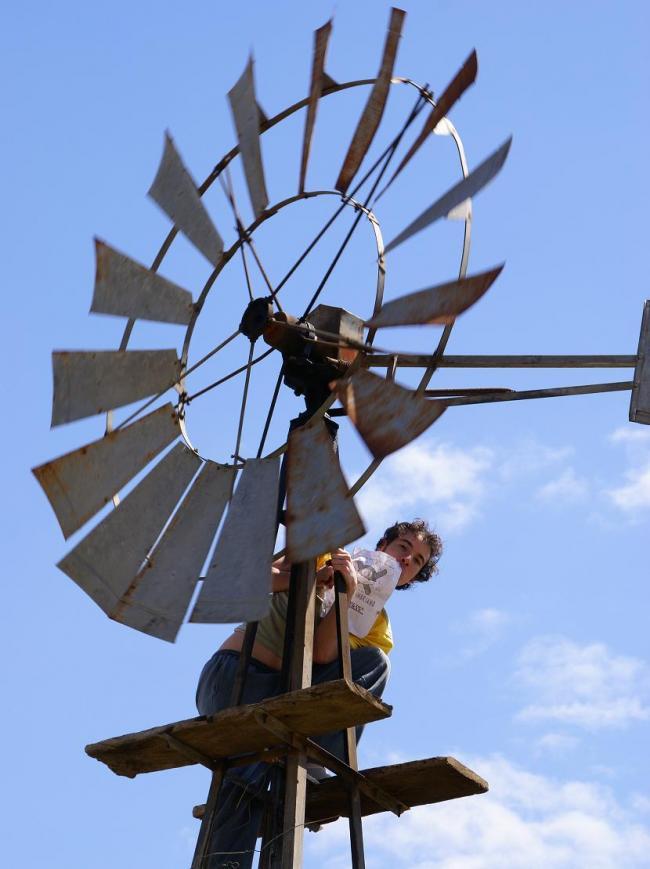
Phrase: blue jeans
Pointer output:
(243, 790)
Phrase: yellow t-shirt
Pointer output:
(380, 635)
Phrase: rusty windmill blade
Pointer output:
(640, 400)
(94, 381)
(175, 192)
(437, 305)
(465, 189)
(238, 582)
(105, 562)
(158, 598)
(321, 40)
(387, 416)
(246, 115)
(125, 288)
(320, 514)
(465, 77)
(78, 484)
(372, 113)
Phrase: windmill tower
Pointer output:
(143, 562)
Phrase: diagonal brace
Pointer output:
(307, 746)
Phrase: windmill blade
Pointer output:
(237, 585)
(387, 416)
(246, 116)
(465, 189)
(175, 192)
(321, 39)
(372, 113)
(94, 381)
(320, 515)
(125, 288)
(435, 305)
(105, 562)
(160, 595)
(640, 400)
(81, 482)
(465, 77)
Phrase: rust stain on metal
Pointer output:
(95, 381)
(78, 484)
(321, 39)
(465, 77)
(387, 416)
(320, 514)
(437, 305)
(372, 113)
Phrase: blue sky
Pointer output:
(527, 658)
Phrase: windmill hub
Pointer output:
(256, 316)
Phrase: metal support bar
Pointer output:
(307, 746)
(415, 360)
(553, 392)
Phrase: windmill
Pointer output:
(142, 563)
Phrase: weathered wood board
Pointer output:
(310, 711)
(416, 783)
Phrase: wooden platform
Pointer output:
(416, 783)
(309, 712)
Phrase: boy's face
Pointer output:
(412, 554)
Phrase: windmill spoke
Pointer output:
(228, 376)
(383, 167)
(192, 368)
(269, 415)
(242, 411)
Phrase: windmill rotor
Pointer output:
(127, 565)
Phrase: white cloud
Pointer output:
(631, 434)
(530, 457)
(634, 493)
(429, 475)
(555, 743)
(482, 628)
(586, 686)
(568, 487)
(526, 821)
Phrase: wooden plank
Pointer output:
(349, 734)
(416, 783)
(303, 578)
(311, 711)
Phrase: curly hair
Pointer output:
(421, 529)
